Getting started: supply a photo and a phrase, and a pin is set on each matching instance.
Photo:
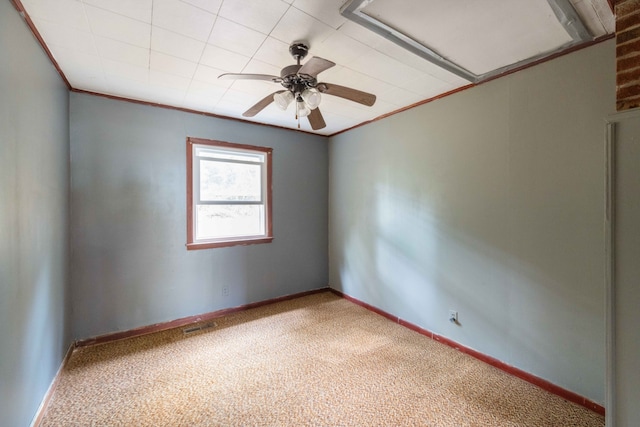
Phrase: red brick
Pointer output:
(625, 7)
(627, 92)
(626, 77)
(627, 48)
(628, 62)
(628, 104)
(627, 22)
(628, 35)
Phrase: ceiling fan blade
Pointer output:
(316, 120)
(260, 105)
(242, 76)
(315, 66)
(354, 95)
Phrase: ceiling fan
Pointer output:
(301, 85)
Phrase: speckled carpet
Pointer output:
(318, 360)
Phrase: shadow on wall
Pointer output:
(404, 258)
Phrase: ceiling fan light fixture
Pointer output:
(301, 108)
(312, 98)
(283, 99)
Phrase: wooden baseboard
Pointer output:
(530, 378)
(185, 321)
(37, 419)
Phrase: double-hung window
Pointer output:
(228, 194)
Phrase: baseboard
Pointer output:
(37, 419)
(185, 321)
(530, 378)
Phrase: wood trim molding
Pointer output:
(42, 409)
(469, 86)
(185, 321)
(189, 110)
(21, 10)
(530, 378)
(268, 203)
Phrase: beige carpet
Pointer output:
(319, 360)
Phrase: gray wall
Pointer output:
(488, 202)
(130, 267)
(34, 196)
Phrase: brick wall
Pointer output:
(627, 54)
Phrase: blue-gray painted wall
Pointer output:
(34, 225)
(489, 202)
(130, 267)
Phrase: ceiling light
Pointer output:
(301, 108)
(311, 98)
(283, 99)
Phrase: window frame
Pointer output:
(192, 243)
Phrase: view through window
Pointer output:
(229, 194)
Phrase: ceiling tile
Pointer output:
(235, 37)
(296, 25)
(82, 70)
(172, 65)
(135, 9)
(361, 34)
(123, 52)
(115, 70)
(260, 15)
(65, 37)
(382, 67)
(210, 75)
(428, 86)
(414, 61)
(63, 12)
(203, 96)
(274, 52)
(171, 81)
(183, 18)
(260, 88)
(341, 49)
(176, 45)
(235, 102)
(223, 59)
(343, 108)
(117, 27)
(327, 11)
(212, 6)
(400, 97)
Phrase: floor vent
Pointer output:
(198, 328)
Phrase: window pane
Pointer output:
(217, 221)
(228, 155)
(223, 181)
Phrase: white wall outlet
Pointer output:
(453, 316)
(225, 291)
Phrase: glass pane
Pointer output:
(217, 221)
(223, 181)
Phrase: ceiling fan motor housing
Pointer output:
(295, 82)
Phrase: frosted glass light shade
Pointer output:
(303, 110)
(283, 99)
(312, 98)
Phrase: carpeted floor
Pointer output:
(318, 360)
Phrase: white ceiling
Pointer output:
(171, 52)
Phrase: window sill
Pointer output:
(225, 243)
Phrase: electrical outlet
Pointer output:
(453, 316)
(225, 291)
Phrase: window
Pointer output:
(228, 194)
